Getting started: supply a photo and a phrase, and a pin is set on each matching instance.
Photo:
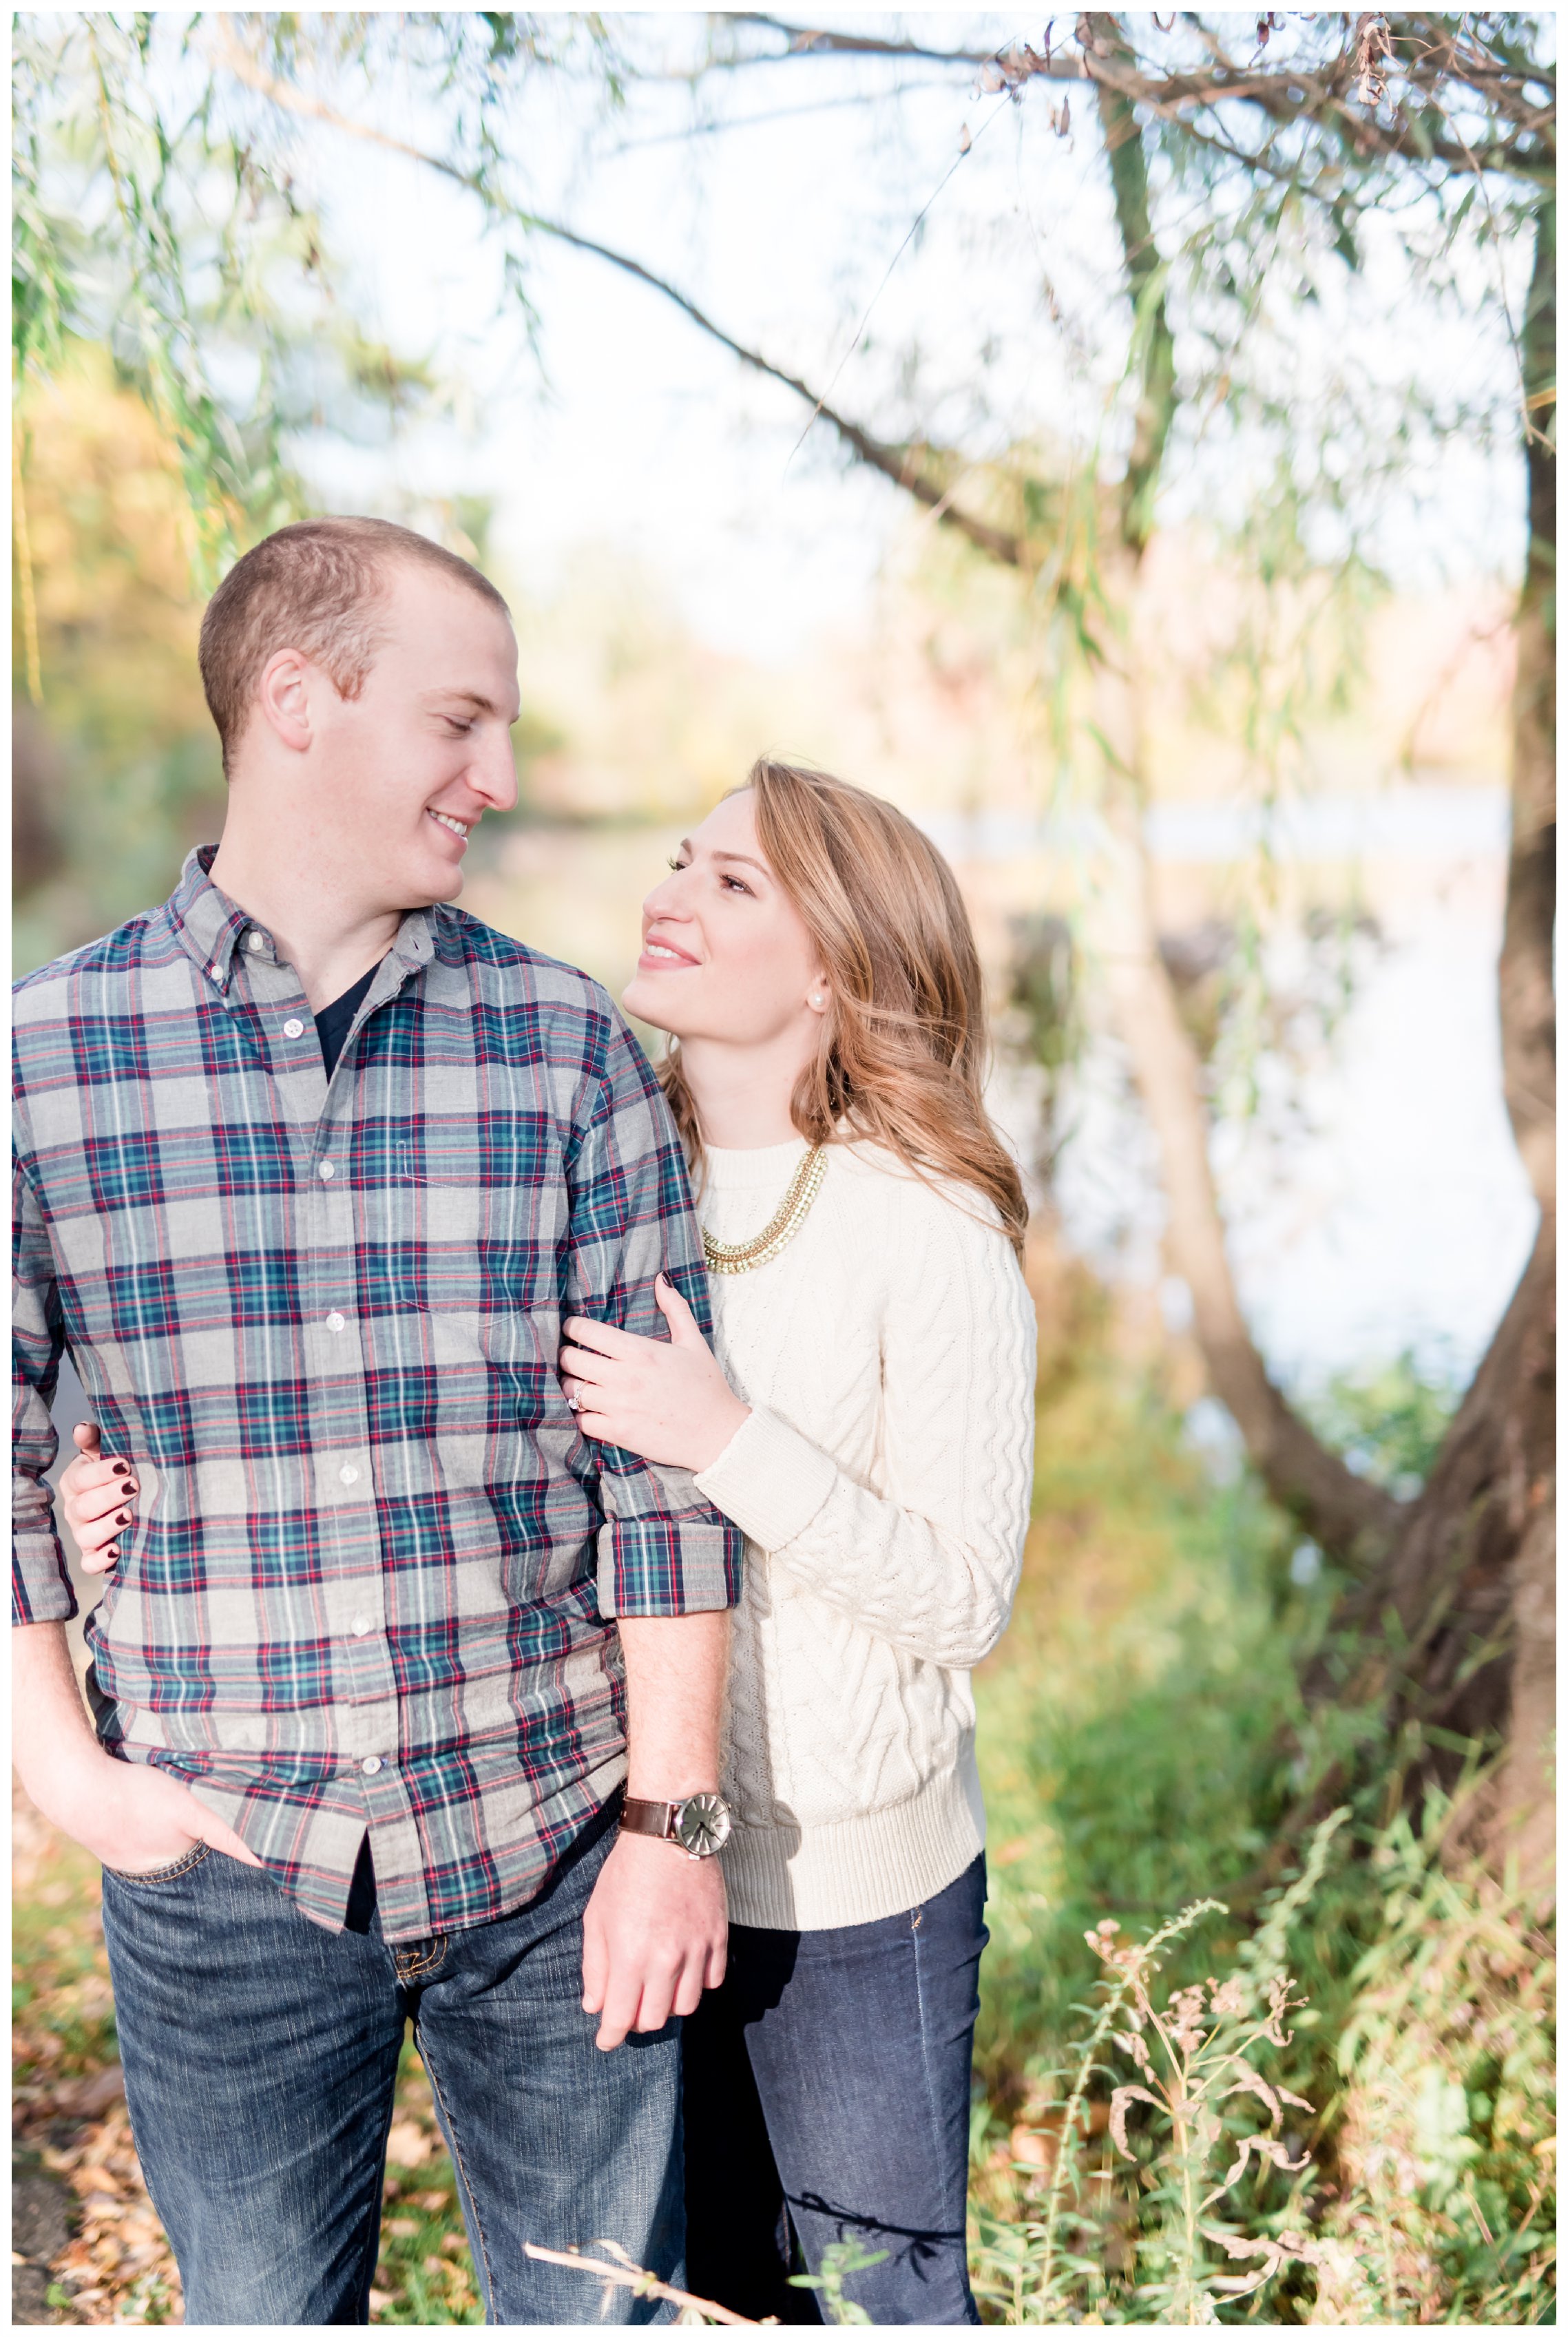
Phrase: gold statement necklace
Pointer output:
(743, 1257)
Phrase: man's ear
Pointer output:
(283, 698)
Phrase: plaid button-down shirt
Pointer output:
(369, 1583)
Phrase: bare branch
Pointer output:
(805, 42)
(630, 2275)
(1287, 94)
(907, 466)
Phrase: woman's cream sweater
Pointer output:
(882, 1483)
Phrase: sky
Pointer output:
(838, 237)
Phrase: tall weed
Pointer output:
(1142, 1740)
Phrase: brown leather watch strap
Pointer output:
(656, 1818)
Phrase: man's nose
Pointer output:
(493, 774)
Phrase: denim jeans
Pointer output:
(827, 2099)
(260, 2053)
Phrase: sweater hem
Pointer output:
(862, 1869)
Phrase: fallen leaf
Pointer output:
(83, 2179)
(91, 2096)
(407, 2144)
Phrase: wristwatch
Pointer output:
(699, 1825)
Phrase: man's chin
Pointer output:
(439, 880)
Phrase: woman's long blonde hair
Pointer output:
(903, 1051)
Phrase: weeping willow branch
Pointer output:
(25, 567)
(910, 467)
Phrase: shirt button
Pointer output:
(255, 941)
(293, 1028)
(326, 1172)
(359, 1626)
(214, 974)
(372, 1766)
(349, 1474)
(334, 1321)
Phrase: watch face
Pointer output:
(702, 1825)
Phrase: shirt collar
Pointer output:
(212, 928)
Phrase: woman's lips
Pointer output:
(660, 958)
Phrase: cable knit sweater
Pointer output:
(882, 1482)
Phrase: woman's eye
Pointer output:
(676, 862)
(736, 882)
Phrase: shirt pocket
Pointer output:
(481, 1223)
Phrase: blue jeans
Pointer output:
(260, 2053)
(827, 2099)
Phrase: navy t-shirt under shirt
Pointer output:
(334, 1022)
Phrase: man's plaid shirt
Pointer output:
(372, 1563)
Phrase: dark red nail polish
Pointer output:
(122, 1468)
(123, 1519)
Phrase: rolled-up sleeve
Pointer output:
(41, 1588)
(663, 1549)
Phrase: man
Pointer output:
(310, 1166)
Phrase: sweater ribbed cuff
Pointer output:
(770, 1479)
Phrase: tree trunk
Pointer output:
(1526, 1002)
(1350, 1518)
(1470, 1578)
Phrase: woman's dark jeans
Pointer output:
(826, 2093)
(261, 2055)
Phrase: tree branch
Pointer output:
(1152, 344)
(1526, 1002)
(1285, 95)
(805, 41)
(907, 466)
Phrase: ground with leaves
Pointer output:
(98, 2254)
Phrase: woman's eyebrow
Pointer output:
(761, 866)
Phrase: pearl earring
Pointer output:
(815, 998)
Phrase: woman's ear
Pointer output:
(284, 696)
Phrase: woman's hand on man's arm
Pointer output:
(667, 1400)
(96, 1496)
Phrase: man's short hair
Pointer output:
(318, 587)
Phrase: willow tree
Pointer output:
(1455, 115)
(1289, 148)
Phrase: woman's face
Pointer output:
(726, 955)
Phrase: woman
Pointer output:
(865, 1417)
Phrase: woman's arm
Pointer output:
(931, 1566)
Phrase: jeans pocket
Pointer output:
(154, 1875)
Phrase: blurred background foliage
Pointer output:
(1174, 607)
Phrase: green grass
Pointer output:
(1142, 1740)
(62, 2009)
(1131, 1726)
